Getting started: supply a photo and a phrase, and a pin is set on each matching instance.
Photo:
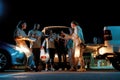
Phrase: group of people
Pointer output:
(32, 51)
(74, 46)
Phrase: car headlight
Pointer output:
(22, 49)
(18, 49)
(103, 50)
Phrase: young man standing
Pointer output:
(35, 46)
(78, 47)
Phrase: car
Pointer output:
(89, 51)
(10, 55)
(110, 50)
(57, 30)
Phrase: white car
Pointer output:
(57, 30)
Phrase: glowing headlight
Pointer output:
(19, 49)
(22, 49)
(104, 50)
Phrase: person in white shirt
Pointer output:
(35, 46)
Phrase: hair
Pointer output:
(19, 25)
(74, 22)
(35, 26)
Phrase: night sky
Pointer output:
(92, 19)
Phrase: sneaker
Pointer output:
(34, 68)
(60, 69)
(65, 69)
(28, 69)
(46, 69)
(52, 69)
(72, 69)
(81, 70)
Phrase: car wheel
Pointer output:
(116, 63)
(4, 60)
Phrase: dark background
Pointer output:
(91, 17)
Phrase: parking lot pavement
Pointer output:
(88, 70)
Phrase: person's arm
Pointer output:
(66, 36)
(20, 37)
(25, 38)
(17, 35)
(29, 33)
(80, 33)
(43, 44)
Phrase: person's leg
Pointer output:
(82, 63)
(27, 67)
(59, 60)
(52, 59)
(65, 60)
(30, 64)
(34, 56)
(47, 62)
(36, 52)
(70, 56)
(46, 67)
(72, 60)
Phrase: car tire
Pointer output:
(116, 63)
(5, 60)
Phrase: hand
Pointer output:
(32, 39)
(62, 34)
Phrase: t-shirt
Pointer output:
(38, 34)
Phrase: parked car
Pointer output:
(111, 48)
(10, 55)
(56, 30)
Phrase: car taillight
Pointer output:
(107, 35)
(44, 57)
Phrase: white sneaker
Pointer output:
(46, 69)
(60, 69)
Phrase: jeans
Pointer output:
(30, 61)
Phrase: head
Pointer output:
(36, 26)
(22, 25)
(51, 31)
(74, 24)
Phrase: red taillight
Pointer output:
(43, 57)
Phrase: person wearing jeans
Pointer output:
(20, 38)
